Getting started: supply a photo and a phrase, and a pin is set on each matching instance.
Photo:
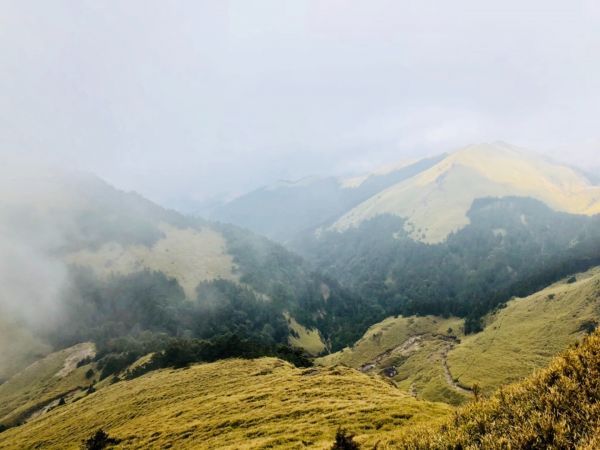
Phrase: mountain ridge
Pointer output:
(491, 170)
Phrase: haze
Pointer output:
(188, 101)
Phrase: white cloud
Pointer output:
(200, 98)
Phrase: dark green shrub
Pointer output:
(98, 441)
(588, 326)
(344, 441)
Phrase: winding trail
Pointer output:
(413, 344)
(448, 375)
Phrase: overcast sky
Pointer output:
(192, 99)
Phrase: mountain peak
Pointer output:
(437, 200)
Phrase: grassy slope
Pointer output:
(43, 381)
(527, 333)
(302, 337)
(556, 408)
(436, 201)
(517, 340)
(235, 404)
(415, 346)
(191, 256)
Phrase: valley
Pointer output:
(169, 330)
(275, 225)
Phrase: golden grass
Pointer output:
(518, 339)
(308, 339)
(388, 334)
(556, 408)
(437, 200)
(527, 333)
(415, 346)
(43, 381)
(232, 404)
(189, 255)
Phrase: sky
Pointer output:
(188, 101)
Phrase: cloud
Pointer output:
(199, 99)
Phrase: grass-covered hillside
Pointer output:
(412, 351)
(44, 383)
(432, 358)
(433, 195)
(556, 408)
(232, 404)
(19, 348)
(115, 269)
(435, 201)
(528, 332)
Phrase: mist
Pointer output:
(194, 101)
(32, 275)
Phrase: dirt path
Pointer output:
(448, 375)
(407, 347)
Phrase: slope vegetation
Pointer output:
(435, 202)
(190, 255)
(431, 357)
(512, 247)
(556, 408)
(124, 266)
(528, 332)
(232, 404)
(409, 350)
(44, 383)
(19, 348)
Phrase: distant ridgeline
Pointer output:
(512, 247)
(308, 204)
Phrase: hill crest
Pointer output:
(436, 200)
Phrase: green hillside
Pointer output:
(433, 359)
(409, 350)
(433, 195)
(528, 332)
(511, 247)
(42, 384)
(19, 348)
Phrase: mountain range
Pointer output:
(373, 303)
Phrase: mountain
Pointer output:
(455, 235)
(267, 402)
(87, 262)
(435, 202)
(287, 209)
(511, 246)
(433, 195)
